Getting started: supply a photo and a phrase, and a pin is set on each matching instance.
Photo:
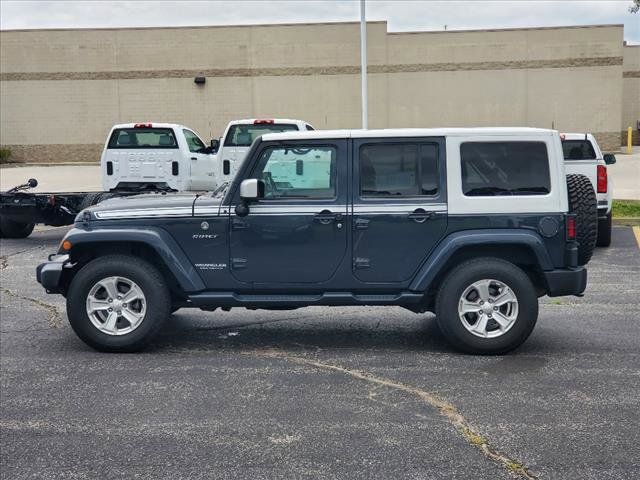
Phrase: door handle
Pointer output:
(420, 215)
(194, 158)
(325, 217)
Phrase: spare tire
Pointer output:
(584, 205)
(12, 229)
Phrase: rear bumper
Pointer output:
(570, 281)
(49, 273)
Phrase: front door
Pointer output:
(399, 206)
(297, 233)
(202, 171)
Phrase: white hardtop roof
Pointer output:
(406, 132)
(245, 121)
(153, 125)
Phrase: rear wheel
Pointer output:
(604, 231)
(117, 303)
(13, 229)
(584, 204)
(486, 306)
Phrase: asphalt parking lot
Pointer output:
(322, 392)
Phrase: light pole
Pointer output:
(363, 64)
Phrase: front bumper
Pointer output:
(49, 273)
(570, 281)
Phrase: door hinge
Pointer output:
(359, 263)
(238, 263)
(237, 224)
(361, 224)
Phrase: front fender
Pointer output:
(453, 243)
(156, 238)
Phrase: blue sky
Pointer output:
(401, 15)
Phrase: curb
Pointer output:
(61, 164)
(626, 221)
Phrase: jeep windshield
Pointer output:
(578, 150)
(243, 135)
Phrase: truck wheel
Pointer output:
(118, 303)
(12, 229)
(486, 306)
(584, 204)
(604, 232)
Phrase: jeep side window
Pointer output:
(298, 171)
(505, 168)
(195, 144)
(399, 169)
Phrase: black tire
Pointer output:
(89, 200)
(584, 204)
(150, 281)
(604, 231)
(462, 277)
(13, 229)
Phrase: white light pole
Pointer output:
(363, 64)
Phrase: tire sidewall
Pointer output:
(465, 275)
(157, 296)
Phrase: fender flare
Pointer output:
(159, 240)
(456, 241)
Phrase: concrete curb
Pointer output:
(626, 221)
(61, 164)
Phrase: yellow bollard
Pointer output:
(629, 135)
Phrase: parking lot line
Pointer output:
(636, 232)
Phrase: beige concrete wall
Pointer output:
(631, 93)
(61, 90)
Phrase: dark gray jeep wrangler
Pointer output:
(471, 224)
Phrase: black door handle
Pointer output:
(420, 215)
(194, 158)
(327, 216)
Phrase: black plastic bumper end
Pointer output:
(566, 282)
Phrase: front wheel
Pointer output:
(13, 229)
(486, 306)
(117, 303)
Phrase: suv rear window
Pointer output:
(505, 168)
(142, 138)
(578, 150)
(243, 135)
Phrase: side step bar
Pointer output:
(230, 299)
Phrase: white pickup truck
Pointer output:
(582, 155)
(139, 156)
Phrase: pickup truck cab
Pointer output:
(583, 156)
(471, 224)
(240, 134)
(156, 156)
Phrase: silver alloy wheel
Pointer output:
(116, 305)
(488, 308)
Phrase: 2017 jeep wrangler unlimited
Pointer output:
(472, 224)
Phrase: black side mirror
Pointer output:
(609, 158)
(215, 145)
(32, 182)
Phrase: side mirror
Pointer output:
(609, 158)
(215, 145)
(251, 190)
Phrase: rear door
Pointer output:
(399, 206)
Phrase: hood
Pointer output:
(154, 205)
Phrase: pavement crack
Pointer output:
(446, 409)
(54, 320)
(4, 259)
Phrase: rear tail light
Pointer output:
(175, 168)
(602, 179)
(258, 122)
(226, 167)
(109, 168)
(571, 227)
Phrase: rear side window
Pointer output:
(142, 138)
(505, 168)
(578, 150)
(399, 169)
(243, 135)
